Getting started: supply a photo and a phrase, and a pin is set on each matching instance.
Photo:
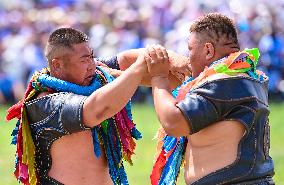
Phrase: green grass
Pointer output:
(277, 137)
(7, 151)
(147, 123)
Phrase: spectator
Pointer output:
(120, 25)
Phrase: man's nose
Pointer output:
(92, 65)
(95, 62)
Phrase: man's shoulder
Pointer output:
(224, 87)
(44, 105)
(58, 111)
(44, 97)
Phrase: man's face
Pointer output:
(79, 67)
(197, 54)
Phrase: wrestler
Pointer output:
(217, 121)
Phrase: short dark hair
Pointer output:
(216, 26)
(63, 39)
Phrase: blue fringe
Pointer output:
(136, 134)
(114, 155)
(14, 133)
(96, 143)
(172, 167)
(128, 110)
(169, 143)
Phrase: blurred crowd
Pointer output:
(114, 26)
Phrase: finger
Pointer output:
(148, 61)
(165, 54)
(147, 58)
(152, 53)
(159, 52)
(162, 50)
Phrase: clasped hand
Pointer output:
(158, 61)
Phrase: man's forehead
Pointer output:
(192, 38)
(82, 48)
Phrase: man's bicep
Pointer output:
(182, 128)
(198, 111)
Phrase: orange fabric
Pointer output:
(229, 62)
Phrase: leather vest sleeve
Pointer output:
(236, 98)
(199, 111)
(71, 113)
(61, 113)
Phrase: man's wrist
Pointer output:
(160, 80)
(138, 70)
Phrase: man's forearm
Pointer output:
(170, 117)
(126, 58)
(163, 100)
(111, 98)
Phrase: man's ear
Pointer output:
(210, 50)
(56, 65)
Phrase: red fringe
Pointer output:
(21, 170)
(158, 167)
(16, 110)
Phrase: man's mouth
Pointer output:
(90, 78)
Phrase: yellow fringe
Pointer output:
(28, 146)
